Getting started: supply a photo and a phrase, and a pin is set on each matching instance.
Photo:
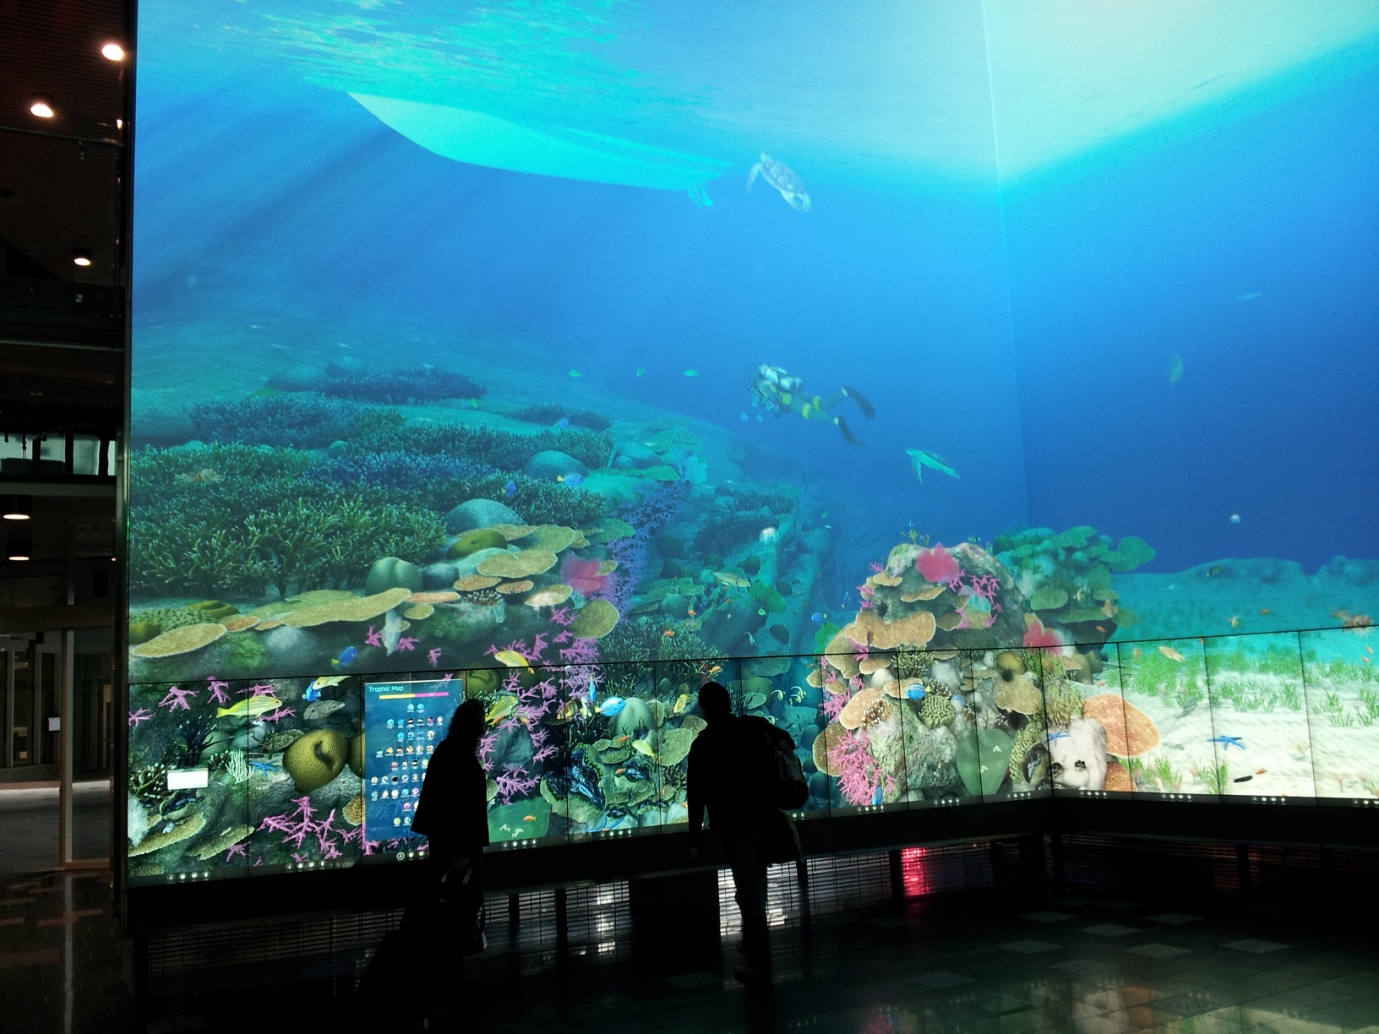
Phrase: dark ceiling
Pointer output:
(62, 326)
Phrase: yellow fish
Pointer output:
(249, 707)
(681, 702)
(1171, 654)
(566, 711)
(326, 681)
(642, 747)
(501, 708)
(1234, 621)
(512, 659)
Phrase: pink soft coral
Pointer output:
(582, 575)
(938, 565)
(1041, 638)
(850, 756)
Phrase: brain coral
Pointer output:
(937, 710)
(595, 621)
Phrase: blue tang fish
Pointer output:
(563, 422)
(593, 691)
(510, 489)
(876, 796)
(914, 693)
(312, 694)
(348, 654)
(611, 706)
(817, 617)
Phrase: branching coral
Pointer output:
(553, 413)
(296, 826)
(501, 450)
(859, 776)
(420, 384)
(308, 540)
(291, 420)
(400, 470)
(721, 533)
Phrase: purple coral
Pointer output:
(217, 688)
(177, 699)
(297, 826)
(143, 714)
(857, 772)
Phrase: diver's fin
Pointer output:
(868, 410)
(847, 435)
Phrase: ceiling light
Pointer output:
(82, 256)
(19, 547)
(113, 51)
(42, 107)
(16, 507)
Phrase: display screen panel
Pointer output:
(820, 367)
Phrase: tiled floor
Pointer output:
(972, 965)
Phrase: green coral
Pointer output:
(473, 541)
(480, 680)
(233, 519)
(937, 710)
(1062, 703)
(911, 665)
(1067, 576)
(166, 618)
(1025, 739)
(984, 761)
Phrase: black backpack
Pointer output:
(783, 776)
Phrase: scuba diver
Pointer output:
(779, 391)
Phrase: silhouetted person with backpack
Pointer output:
(732, 773)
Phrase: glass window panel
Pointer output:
(53, 447)
(519, 706)
(13, 447)
(931, 699)
(1165, 682)
(1258, 713)
(403, 719)
(1342, 693)
(22, 731)
(86, 454)
(1005, 695)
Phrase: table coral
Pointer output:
(180, 640)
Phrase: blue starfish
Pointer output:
(1227, 742)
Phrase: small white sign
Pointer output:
(188, 778)
(55, 724)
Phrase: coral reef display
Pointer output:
(582, 576)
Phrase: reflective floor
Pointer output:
(968, 964)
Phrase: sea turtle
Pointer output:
(783, 178)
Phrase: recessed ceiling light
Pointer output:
(113, 51)
(18, 546)
(16, 507)
(82, 256)
(42, 107)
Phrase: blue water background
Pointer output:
(1024, 332)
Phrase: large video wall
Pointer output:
(993, 440)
